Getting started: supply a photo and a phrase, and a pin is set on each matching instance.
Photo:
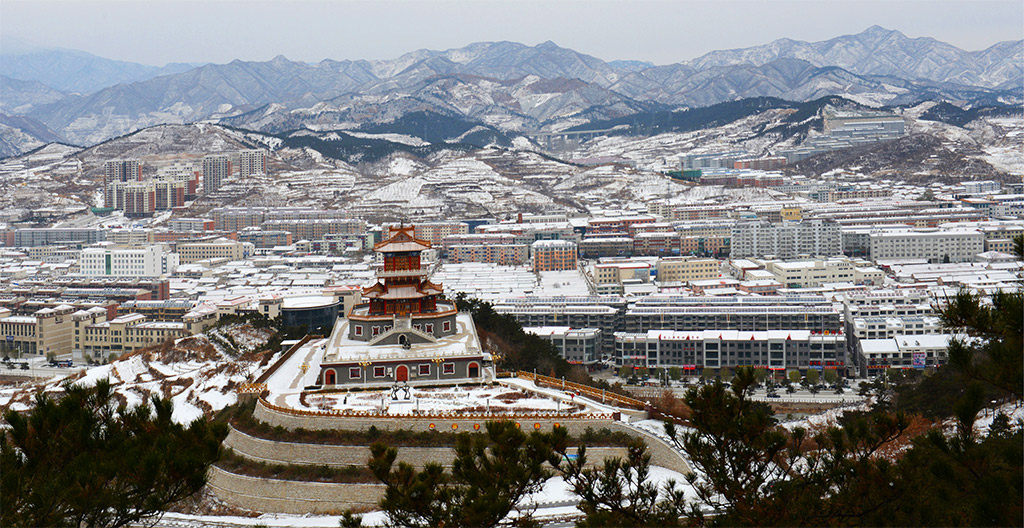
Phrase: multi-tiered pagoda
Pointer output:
(402, 294)
(406, 331)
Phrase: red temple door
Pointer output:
(402, 373)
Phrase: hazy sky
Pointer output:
(161, 31)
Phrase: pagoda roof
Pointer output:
(405, 291)
(401, 239)
(398, 292)
(426, 286)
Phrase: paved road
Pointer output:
(39, 371)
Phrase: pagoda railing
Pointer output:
(421, 272)
(387, 317)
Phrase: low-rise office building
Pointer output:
(903, 351)
(814, 273)
(609, 276)
(576, 345)
(554, 255)
(126, 333)
(685, 269)
(220, 248)
(50, 330)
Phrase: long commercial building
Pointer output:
(787, 240)
(715, 349)
(933, 244)
(669, 312)
(604, 312)
(46, 236)
(149, 261)
(611, 314)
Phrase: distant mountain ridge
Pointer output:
(78, 71)
(880, 51)
(516, 88)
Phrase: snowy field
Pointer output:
(197, 377)
(486, 282)
(559, 283)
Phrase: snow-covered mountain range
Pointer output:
(510, 86)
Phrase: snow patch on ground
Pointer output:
(394, 138)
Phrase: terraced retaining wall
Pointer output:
(289, 496)
(661, 453)
(273, 452)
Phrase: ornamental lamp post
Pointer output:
(364, 364)
(437, 365)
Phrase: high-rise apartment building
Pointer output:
(119, 171)
(143, 198)
(252, 162)
(216, 170)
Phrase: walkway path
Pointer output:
(288, 382)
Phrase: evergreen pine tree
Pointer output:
(492, 471)
(82, 460)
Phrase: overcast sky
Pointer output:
(161, 31)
